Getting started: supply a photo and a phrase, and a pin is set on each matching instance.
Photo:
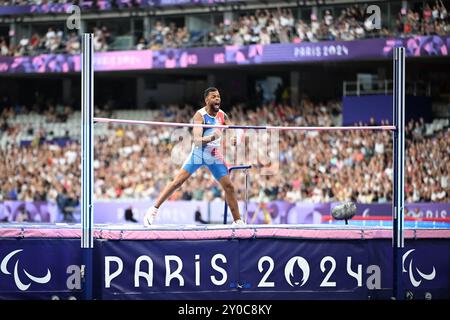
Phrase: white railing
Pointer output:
(358, 88)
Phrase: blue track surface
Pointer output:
(408, 224)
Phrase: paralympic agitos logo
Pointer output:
(21, 284)
(415, 274)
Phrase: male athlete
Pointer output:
(205, 152)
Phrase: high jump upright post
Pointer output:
(87, 160)
(398, 242)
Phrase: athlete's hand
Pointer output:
(217, 134)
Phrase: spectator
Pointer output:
(198, 216)
(67, 204)
(129, 214)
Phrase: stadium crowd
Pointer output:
(137, 161)
(258, 27)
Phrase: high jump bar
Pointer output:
(191, 125)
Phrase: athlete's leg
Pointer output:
(192, 163)
(176, 183)
(230, 196)
(216, 164)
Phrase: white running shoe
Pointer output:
(238, 223)
(150, 216)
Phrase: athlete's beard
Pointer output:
(215, 107)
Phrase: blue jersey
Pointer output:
(209, 154)
(219, 119)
